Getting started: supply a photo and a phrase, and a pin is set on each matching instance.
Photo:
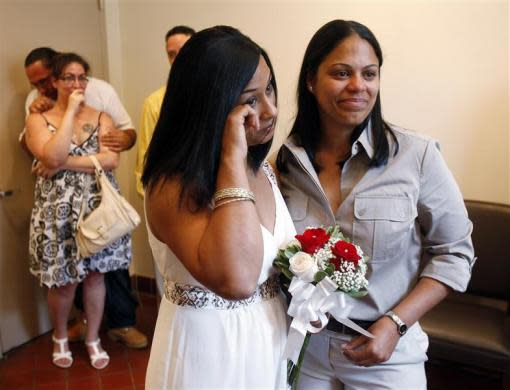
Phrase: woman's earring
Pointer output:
(310, 88)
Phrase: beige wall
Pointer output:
(445, 72)
(25, 24)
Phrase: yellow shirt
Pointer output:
(148, 119)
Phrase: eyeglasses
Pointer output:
(70, 79)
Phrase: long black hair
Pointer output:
(205, 82)
(306, 127)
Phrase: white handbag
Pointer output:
(113, 218)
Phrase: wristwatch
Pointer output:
(401, 325)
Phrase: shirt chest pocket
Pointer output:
(382, 224)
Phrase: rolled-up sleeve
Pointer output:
(448, 253)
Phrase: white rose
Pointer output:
(303, 266)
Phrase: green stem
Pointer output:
(293, 370)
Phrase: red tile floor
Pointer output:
(29, 366)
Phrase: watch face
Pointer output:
(402, 329)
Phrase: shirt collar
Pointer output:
(300, 154)
(366, 140)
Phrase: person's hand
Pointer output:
(116, 140)
(364, 351)
(41, 104)
(39, 169)
(76, 99)
(241, 124)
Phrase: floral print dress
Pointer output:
(57, 206)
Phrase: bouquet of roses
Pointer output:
(321, 265)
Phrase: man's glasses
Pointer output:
(70, 79)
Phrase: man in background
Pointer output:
(120, 304)
(175, 38)
(99, 94)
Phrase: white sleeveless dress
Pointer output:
(203, 341)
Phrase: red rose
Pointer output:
(346, 251)
(312, 239)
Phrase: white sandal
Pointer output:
(62, 353)
(96, 356)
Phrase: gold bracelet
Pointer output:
(233, 192)
(232, 200)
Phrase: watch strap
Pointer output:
(401, 325)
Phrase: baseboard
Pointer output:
(144, 284)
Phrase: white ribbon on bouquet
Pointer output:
(311, 303)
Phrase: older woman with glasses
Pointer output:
(61, 140)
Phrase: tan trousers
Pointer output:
(326, 368)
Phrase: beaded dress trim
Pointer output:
(201, 298)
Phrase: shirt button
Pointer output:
(362, 211)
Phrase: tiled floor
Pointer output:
(30, 367)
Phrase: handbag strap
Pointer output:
(98, 172)
(97, 164)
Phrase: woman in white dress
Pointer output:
(216, 220)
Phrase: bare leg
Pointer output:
(60, 301)
(93, 301)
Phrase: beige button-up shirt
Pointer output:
(408, 216)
